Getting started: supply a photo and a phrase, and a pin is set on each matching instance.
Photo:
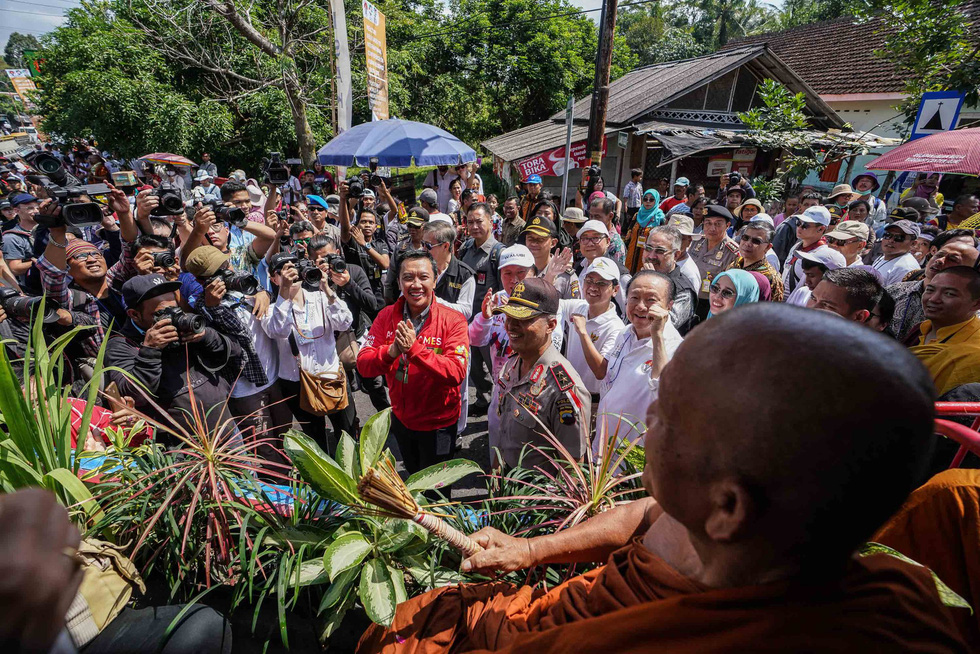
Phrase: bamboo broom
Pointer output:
(384, 489)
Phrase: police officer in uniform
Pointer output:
(714, 253)
(537, 383)
(409, 241)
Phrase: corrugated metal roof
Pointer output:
(533, 139)
(639, 91)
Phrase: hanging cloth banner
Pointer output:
(376, 55)
(345, 98)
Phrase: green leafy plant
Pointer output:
(372, 557)
(947, 595)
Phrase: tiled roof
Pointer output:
(837, 56)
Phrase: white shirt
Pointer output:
(627, 390)
(690, 270)
(603, 331)
(619, 298)
(265, 349)
(464, 303)
(895, 270)
(772, 258)
(440, 183)
(800, 296)
(313, 330)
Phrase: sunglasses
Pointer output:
(898, 238)
(648, 199)
(726, 293)
(302, 241)
(658, 251)
(839, 241)
(807, 225)
(317, 207)
(430, 246)
(754, 240)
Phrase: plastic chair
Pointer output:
(967, 437)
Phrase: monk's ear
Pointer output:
(730, 511)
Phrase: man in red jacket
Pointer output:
(420, 346)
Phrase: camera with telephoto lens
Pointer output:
(224, 213)
(309, 275)
(355, 187)
(276, 172)
(66, 189)
(171, 200)
(375, 178)
(164, 260)
(22, 306)
(336, 263)
(186, 324)
(237, 281)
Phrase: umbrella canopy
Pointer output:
(949, 152)
(167, 158)
(395, 143)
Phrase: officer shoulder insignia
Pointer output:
(562, 378)
(566, 414)
(731, 245)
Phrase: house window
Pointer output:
(690, 100)
(744, 90)
(720, 92)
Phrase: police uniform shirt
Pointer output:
(484, 265)
(712, 261)
(550, 391)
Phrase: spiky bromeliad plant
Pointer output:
(371, 554)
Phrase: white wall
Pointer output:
(877, 116)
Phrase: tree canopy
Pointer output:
(13, 52)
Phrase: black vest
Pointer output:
(451, 282)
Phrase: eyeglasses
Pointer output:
(890, 236)
(593, 240)
(726, 293)
(82, 256)
(600, 284)
(429, 246)
(658, 251)
(839, 242)
(754, 240)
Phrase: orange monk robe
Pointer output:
(637, 603)
(939, 527)
(953, 358)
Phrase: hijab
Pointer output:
(745, 285)
(765, 288)
(650, 217)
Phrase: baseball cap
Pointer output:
(850, 229)
(903, 213)
(205, 261)
(825, 255)
(531, 297)
(573, 215)
(736, 189)
(333, 202)
(906, 226)
(417, 216)
(516, 255)
(817, 214)
(533, 179)
(4, 204)
(436, 216)
(682, 181)
(763, 218)
(368, 193)
(542, 227)
(922, 205)
(22, 198)
(429, 197)
(138, 289)
(594, 226)
(683, 223)
(605, 268)
(718, 211)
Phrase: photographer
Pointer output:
(731, 181)
(169, 353)
(18, 241)
(353, 286)
(255, 399)
(362, 242)
(303, 322)
(245, 243)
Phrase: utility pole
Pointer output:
(600, 89)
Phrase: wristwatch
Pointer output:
(367, 246)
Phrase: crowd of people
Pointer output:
(278, 302)
(274, 303)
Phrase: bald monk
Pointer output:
(762, 496)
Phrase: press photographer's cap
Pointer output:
(141, 288)
(205, 261)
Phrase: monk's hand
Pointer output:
(501, 553)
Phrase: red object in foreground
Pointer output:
(950, 152)
(967, 437)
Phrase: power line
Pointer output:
(531, 20)
(21, 29)
(31, 13)
(37, 4)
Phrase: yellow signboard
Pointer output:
(22, 82)
(376, 52)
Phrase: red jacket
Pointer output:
(429, 397)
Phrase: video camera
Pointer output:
(16, 305)
(66, 189)
(224, 213)
(276, 172)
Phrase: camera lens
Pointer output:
(355, 188)
(82, 214)
(188, 325)
(240, 282)
(163, 260)
(337, 264)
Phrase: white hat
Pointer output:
(436, 215)
(817, 214)
(368, 193)
(605, 268)
(825, 255)
(763, 218)
(255, 195)
(516, 255)
(593, 226)
(202, 175)
(682, 223)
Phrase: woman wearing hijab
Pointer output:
(730, 289)
(754, 244)
(765, 290)
(648, 217)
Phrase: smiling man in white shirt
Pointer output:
(896, 258)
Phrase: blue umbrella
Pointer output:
(395, 143)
